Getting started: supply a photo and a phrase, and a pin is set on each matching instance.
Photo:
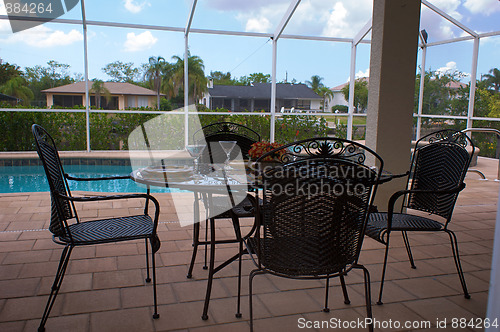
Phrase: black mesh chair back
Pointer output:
(439, 165)
(314, 214)
(69, 231)
(436, 177)
(61, 209)
(317, 194)
(214, 154)
(225, 131)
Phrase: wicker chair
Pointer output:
(69, 231)
(212, 134)
(439, 164)
(316, 199)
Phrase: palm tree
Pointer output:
(99, 90)
(493, 79)
(315, 83)
(16, 87)
(326, 93)
(196, 76)
(154, 73)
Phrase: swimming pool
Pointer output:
(16, 179)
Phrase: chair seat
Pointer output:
(244, 209)
(110, 230)
(307, 258)
(377, 224)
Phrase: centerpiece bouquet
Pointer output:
(260, 148)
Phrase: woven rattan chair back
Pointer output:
(314, 215)
(439, 165)
(61, 209)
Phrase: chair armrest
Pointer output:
(395, 176)
(117, 197)
(69, 177)
(396, 195)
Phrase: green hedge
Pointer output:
(110, 131)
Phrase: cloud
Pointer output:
(242, 5)
(134, 7)
(485, 7)
(341, 18)
(140, 42)
(450, 68)
(361, 73)
(43, 37)
(260, 24)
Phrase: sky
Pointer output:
(241, 55)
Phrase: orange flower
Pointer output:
(260, 148)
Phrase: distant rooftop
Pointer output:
(115, 88)
(263, 90)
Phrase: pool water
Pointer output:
(16, 179)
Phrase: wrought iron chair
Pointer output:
(68, 230)
(436, 177)
(212, 134)
(316, 199)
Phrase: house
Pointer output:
(123, 95)
(9, 99)
(338, 97)
(257, 97)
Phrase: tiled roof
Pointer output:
(341, 86)
(263, 91)
(115, 88)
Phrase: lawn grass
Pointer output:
(357, 120)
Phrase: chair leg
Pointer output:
(237, 231)
(344, 290)
(327, 288)
(456, 257)
(148, 279)
(206, 240)
(211, 266)
(196, 237)
(368, 297)
(153, 263)
(252, 274)
(379, 302)
(408, 249)
(61, 270)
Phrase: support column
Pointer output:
(393, 61)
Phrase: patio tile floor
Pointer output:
(104, 288)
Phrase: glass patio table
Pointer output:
(233, 187)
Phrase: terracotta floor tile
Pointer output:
(195, 290)
(71, 283)
(92, 265)
(27, 257)
(13, 326)
(289, 302)
(19, 287)
(181, 316)
(116, 279)
(16, 309)
(232, 327)
(335, 320)
(142, 296)
(91, 301)
(73, 323)
(107, 281)
(425, 287)
(118, 249)
(438, 308)
(136, 319)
